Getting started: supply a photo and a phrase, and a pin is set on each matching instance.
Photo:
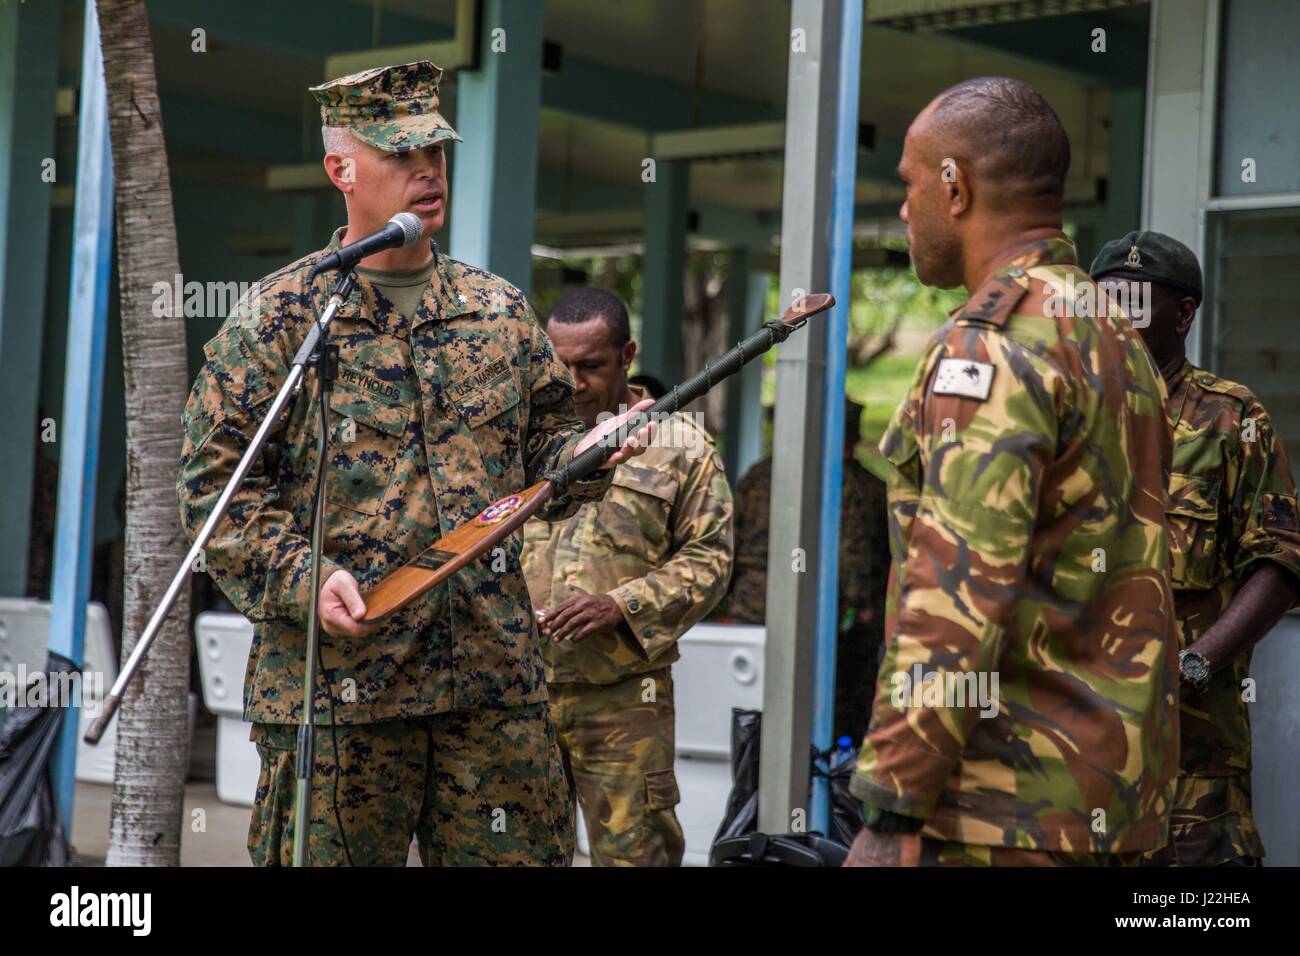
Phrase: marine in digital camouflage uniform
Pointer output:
(863, 573)
(1234, 539)
(440, 713)
(1026, 488)
(618, 583)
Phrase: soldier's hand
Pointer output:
(580, 616)
(341, 608)
(884, 849)
(636, 443)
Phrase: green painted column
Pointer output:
(29, 56)
(746, 299)
(494, 171)
(1123, 212)
(664, 271)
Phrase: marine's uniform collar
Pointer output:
(450, 295)
(443, 299)
(999, 294)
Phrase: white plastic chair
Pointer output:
(224, 641)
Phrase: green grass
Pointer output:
(880, 387)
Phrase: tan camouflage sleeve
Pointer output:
(984, 410)
(554, 428)
(664, 604)
(259, 557)
(1265, 519)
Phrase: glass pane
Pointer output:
(1252, 310)
(1260, 74)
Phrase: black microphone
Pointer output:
(402, 230)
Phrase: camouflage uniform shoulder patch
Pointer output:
(1223, 386)
(995, 300)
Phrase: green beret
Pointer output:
(393, 108)
(1152, 257)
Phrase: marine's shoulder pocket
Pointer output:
(486, 403)
(365, 444)
(383, 415)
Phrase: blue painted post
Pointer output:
(494, 171)
(74, 535)
(844, 178)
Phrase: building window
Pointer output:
(1252, 310)
(1259, 138)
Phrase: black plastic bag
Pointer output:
(846, 809)
(31, 831)
(741, 816)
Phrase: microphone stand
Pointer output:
(315, 353)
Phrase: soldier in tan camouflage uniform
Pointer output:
(1026, 486)
(449, 396)
(1235, 546)
(616, 585)
(863, 573)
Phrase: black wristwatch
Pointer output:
(1195, 669)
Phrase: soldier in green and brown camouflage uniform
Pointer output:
(863, 573)
(616, 585)
(449, 396)
(1234, 539)
(1026, 488)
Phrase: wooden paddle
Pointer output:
(502, 518)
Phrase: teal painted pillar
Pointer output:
(1123, 212)
(664, 270)
(753, 416)
(743, 434)
(29, 56)
(494, 171)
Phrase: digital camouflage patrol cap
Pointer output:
(393, 108)
(1151, 257)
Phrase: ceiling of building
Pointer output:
(729, 53)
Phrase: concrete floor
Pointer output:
(222, 842)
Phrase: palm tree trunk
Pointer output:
(152, 725)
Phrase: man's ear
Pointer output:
(1186, 314)
(956, 186)
(629, 353)
(342, 171)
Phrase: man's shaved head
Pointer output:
(983, 164)
(1008, 131)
